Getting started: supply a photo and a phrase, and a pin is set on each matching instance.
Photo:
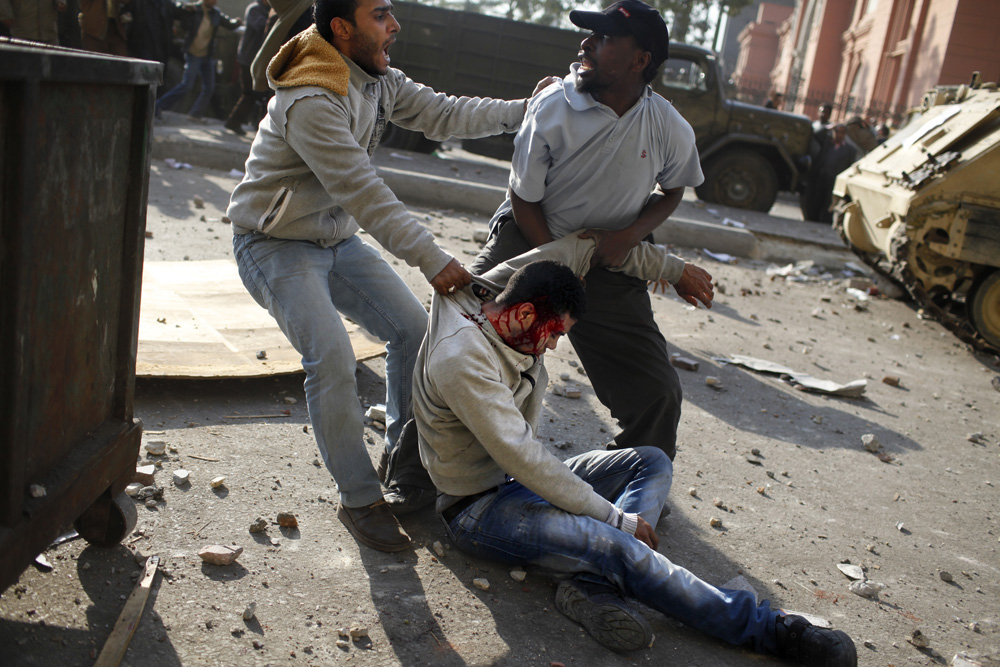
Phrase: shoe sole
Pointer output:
(346, 519)
(612, 626)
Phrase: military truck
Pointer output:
(748, 153)
(924, 209)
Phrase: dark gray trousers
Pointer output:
(619, 345)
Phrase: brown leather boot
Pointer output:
(375, 526)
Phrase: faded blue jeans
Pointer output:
(195, 67)
(306, 288)
(515, 526)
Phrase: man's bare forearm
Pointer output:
(661, 205)
(530, 220)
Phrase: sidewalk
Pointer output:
(454, 179)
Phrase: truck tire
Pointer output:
(985, 308)
(406, 140)
(742, 179)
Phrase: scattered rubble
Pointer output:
(685, 363)
(871, 443)
(287, 520)
(219, 554)
(851, 571)
(259, 525)
(866, 589)
(218, 482)
(37, 491)
(438, 548)
(518, 575)
(156, 447)
(715, 522)
(145, 474)
(181, 477)
(250, 611)
(481, 583)
(919, 639)
(891, 380)
(804, 381)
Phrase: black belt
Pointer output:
(452, 511)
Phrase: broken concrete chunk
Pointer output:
(156, 447)
(376, 413)
(685, 363)
(287, 520)
(151, 491)
(851, 571)
(481, 583)
(713, 382)
(919, 639)
(218, 482)
(343, 632)
(250, 611)
(866, 589)
(358, 632)
(291, 400)
(145, 474)
(219, 554)
(438, 549)
(258, 526)
(871, 443)
(133, 489)
(181, 477)
(715, 522)
(518, 575)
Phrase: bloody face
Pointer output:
(533, 333)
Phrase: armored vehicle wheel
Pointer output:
(108, 520)
(742, 179)
(984, 310)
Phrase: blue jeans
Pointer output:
(515, 526)
(194, 68)
(306, 288)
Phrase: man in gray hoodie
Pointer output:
(309, 187)
(478, 395)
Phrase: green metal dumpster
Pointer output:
(75, 139)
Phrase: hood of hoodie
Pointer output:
(309, 60)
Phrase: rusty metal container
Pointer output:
(75, 138)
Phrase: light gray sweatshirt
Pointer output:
(309, 175)
(477, 401)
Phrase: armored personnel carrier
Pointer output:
(924, 209)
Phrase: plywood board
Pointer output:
(198, 321)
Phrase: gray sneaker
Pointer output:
(610, 620)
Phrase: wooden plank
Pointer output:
(198, 321)
(117, 643)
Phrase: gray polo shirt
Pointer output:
(591, 169)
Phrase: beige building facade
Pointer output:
(876, 58)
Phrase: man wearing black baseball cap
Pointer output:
(600, 151)
(630, 17)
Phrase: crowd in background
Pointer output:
(163, 31)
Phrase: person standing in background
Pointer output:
(200, 22)
(254, 21)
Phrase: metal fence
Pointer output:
(756, 91)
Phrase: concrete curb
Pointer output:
(764, 237)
